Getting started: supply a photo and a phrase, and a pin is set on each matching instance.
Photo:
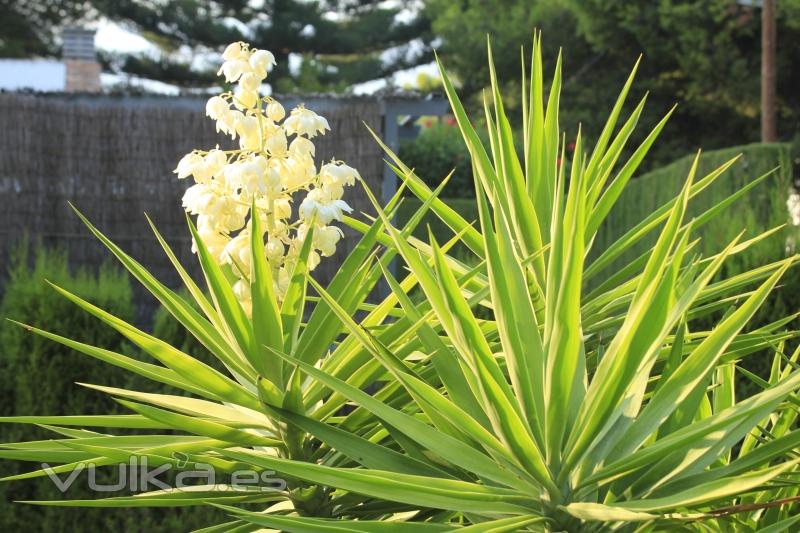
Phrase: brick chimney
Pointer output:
(83, 70)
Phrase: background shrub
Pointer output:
(435, 152)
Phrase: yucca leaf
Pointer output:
(652, 221)
(321, 525)
(108, 421)
(504, 410)
(177, 307)
(197, 426)
(599, 152)
(472, 238)
(206, 379)
(186, 278)
(236, 526)
(565, 373)
(448, 368)
(713, 490)
(182, 497)
(174, 444)
(449, 448)
(415, 490)
(694, 369)
(682, 438)
(619, 363)
(267, 323)
(545, 190)
(369, 454)
(193, 406)
(234, 318)
(294, 301)
(615, 188)
(296, 524)
(153, 372)
(516, 320)
(534, 122)
(433, 404)
(510, 196)
(605, 513)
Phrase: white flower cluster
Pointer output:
(275, 161)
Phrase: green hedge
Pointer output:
(37, 377)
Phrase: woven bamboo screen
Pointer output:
(115, 163)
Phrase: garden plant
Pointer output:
(531, 389)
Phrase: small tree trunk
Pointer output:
(768, 125)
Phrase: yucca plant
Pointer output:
(586, 401)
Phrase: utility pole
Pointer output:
(768, 123)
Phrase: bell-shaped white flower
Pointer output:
(338, 174)
(325, 239)
(237, 251)
(325, 209)
(226, 122)
(297, 171)
(189, 164)
(235, 51)
(282, 208)
(249, 175)
(276, 144)
(216, 107)
(281, 282)
(215, 161)
(233, 69)
(313, 260)
(279, 230)
(302, 147)
(249, 133)
(197, 198)
(249, 82)
(262, 62)
(332, 191)
(275, 111)
(273, 177)
(303, 121)
(241, 289)
(793, 205)
(261, 178)
(275, 250)
(214, 241)
(245, 98)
